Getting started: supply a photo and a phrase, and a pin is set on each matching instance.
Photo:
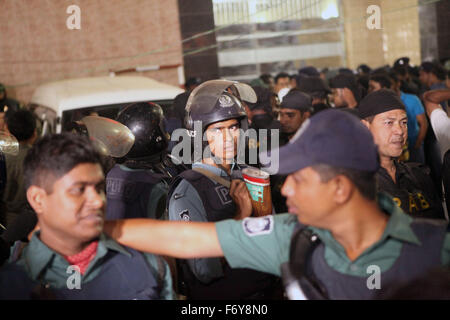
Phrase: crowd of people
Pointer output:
(361, 182)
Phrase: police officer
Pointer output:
(70, 255)
(341, 239)
(317, 88)
(202, 194)
(7, 106)
(346, 92)
(296, 108)
(408, 183)
(137, 187)
(260, 117)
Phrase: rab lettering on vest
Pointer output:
(416, 201)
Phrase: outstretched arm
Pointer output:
(433, 98)
(171, 238)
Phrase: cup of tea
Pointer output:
(258, 185)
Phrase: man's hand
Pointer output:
(241, 196)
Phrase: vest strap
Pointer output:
(213, 176)
(303, 243)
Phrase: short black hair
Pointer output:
(363, 180)
(364, 68)
(401, 70)
(55, 155)
(281, 75)
(439, 72)
(394, 77)
(21, 124)
(193, 81)
(266, 78)
(383, 80)
(435, 68)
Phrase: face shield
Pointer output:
(8, 143)
(109, 136)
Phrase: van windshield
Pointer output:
(107, 111)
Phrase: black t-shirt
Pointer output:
(413, 191)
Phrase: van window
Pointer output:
(107, 111)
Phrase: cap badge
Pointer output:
(225, 101)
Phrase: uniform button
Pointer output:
(353, 267)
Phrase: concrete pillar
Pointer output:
(399, 34)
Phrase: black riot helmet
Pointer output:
(218, 100)
(145, 120)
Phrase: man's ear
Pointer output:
(366, 123)
(36, 198)
(344, 189)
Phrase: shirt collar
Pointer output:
(38, 255)
(398, 226)
(217, 171)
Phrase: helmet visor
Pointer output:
(8, 143)
(207, 94)
(112, 135)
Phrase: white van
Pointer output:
(59, 103)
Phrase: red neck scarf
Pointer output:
(83, 258)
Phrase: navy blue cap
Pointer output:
(309, 71)
(295, 99)
(333, 138)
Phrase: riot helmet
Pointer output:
(218, 100)
(145, 121)
(215, 101)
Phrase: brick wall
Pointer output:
(36, 46)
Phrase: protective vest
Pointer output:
(215, 197)
(236, 283)
(413, 191)
(128, 193)
(413, 261)
(121, 278)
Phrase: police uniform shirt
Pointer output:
(185, 204)
(413, 191)
(43, 264)
(263, 243)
